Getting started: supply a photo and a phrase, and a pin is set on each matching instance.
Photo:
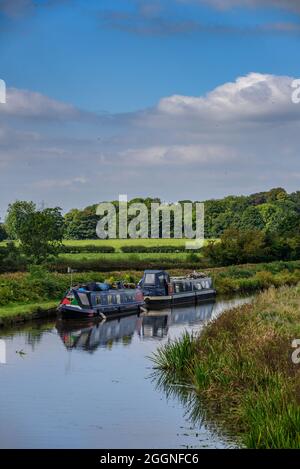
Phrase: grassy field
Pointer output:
(124, 256)
(118, 243)
(241, 368)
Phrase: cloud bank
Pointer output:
(241, 137)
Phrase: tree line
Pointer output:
(259, 227)
(274, 211)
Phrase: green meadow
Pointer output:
(118, 243)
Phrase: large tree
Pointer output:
(17, 213)
(41, 234)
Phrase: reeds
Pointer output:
(241, 367)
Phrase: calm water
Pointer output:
(91, 386)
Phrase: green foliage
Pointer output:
(241, 368)
(41, 234)
(251, 219)
(237, 247)
(244, 246)
(162, 249)
(89, 248)
(274, 211)
(40, 285)
(81, 224)
(176, 356)
(11, 259)
(3, 232)
(128, 261)
(17, 213)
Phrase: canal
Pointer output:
(91, 386)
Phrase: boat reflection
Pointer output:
(151, 325)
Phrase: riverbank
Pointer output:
(13, 314)
(241, 368)
(35, 289)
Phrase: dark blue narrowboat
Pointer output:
(161, 290)
(100, 300)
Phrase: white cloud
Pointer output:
(254, 95)
(60, 184)
(241, 137)
(24, 103)
(177, 155)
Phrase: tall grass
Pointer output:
(241, 367)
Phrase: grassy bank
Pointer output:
(12, 314)
(39, 286)
(241, 367)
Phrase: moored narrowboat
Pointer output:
(161, 290)
(100, 300)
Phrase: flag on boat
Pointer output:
(71, 271)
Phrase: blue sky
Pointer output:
(113, 63)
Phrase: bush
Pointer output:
(88, 248)
(153, 249)
(11, 259)
(3, 233)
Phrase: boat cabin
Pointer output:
(155, 283)
(161, 290)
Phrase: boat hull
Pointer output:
(190, 298)
(69, 313)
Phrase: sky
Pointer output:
(178, 99)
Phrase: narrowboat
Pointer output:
(100, 300)
(161, 290)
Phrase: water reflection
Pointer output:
(196, 411)
(98, 398)
(151, 325)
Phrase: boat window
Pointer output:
(198, 286)
(150, 279)
(109, 299)
(205, 284)
(98, 300)
(161, 279)
(177, 287)
(130, 297)
(84, 299)
(118, 298)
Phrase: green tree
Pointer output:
(16, 214)
(41, 234)
(251, 219)
(3, 232)
(237, 247)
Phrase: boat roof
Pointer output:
(149, 271)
